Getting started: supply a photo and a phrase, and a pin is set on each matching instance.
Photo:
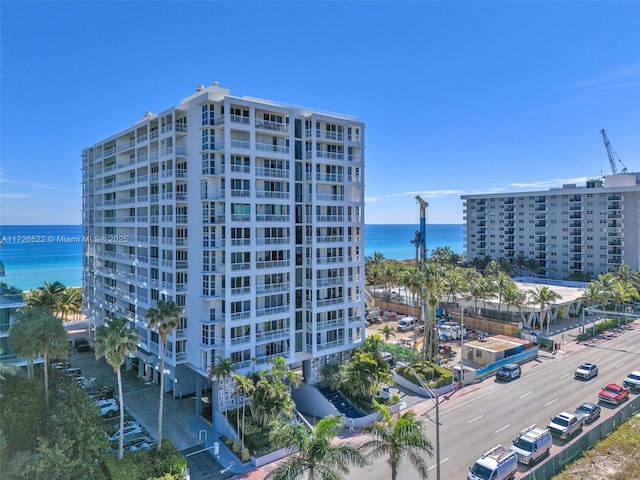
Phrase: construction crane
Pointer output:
(612, 161)
(421, 235)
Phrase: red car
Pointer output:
(613, 393)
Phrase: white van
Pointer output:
(407, 323)
(496, 464)
(532, 443)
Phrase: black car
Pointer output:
(82, 345)
(590, 412)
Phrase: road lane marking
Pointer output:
(552, 401)
(441, 462)
(526, 394)
(474, 419)
(500, 429)
(619, 365)
(565, 375)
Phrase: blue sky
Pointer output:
(457, 97)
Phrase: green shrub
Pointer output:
(246, 456)
(237, 447)
(599, 328)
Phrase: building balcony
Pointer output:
(272, 288)
(262, 217)
(330, 345)
(325, 282)
(272, 172)
(328, 135)
(329, 218)
(330, 155)
(268, 147)
(261, 312)
(273, 335)
(330, 177)
(273, 264)
(271, 194)
(240, 119)
(272, 126)
(273, 241)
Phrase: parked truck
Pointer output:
(564, 425)
(532, 444)
(498, 463)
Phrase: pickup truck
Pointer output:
(565, 424)
(632, 380)
(614, 394)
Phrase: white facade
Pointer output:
(592, 229)
(246, 212)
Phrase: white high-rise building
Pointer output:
(570, 230)
(247, 213)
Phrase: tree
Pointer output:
(51, 342)
(545, 297)
(48, 297)
(220, 371)
(387, 331)
(21, 338)
(39, 334)
(397, 436)
(164, 317)
(317, 456)
(114, 341)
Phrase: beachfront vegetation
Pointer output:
(164, 317)
(317, 456)
(57, 300)
(114, 341)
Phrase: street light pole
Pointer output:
(437, 402)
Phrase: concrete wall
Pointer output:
(404, 383)
(309, 400)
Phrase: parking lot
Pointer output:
(189, 432)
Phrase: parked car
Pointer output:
(614, 394)
(82, 345)
(565, 425)
(509, 372)
(142, 442)
(632, 381)
(590, 412)
(586, 371)
(498, 463)
(532, 444)
(130, 428)
(108, 407)
(74, 372)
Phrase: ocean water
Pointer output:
(36, 254)
(394, 241)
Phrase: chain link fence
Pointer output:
(554, 464)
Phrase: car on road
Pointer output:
(632, 381)
(614, 393)
(74, 372)
(108, 407)
(590, 411)
(586, 371)
(509, 372)
(130, 428)
(565, 425)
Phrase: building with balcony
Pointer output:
(570, 230)
(247, 213)
(10, 300)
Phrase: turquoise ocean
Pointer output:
(35, 254)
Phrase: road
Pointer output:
(485, 414)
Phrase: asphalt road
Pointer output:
(485, 414)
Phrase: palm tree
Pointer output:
(114, 341)
(545, 297)
(398, 436)
(317, 457)
(387, 331)
(39, 334)
(165, 318)
(70, 302)
(21, 337)
(48, 297)
(246, 388)
(220, 371)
